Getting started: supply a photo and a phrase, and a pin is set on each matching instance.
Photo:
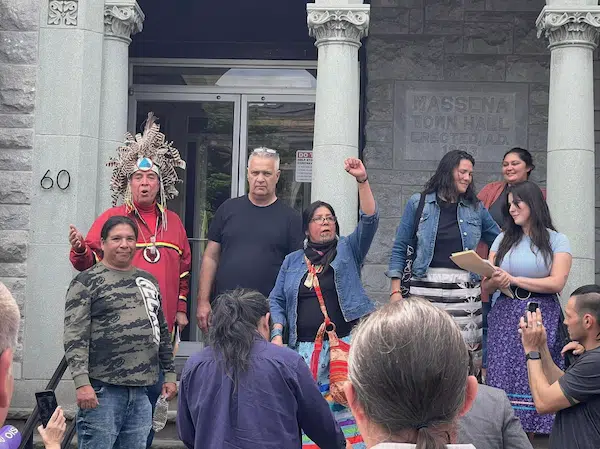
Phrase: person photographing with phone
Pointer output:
(10, 317)
(574, 394)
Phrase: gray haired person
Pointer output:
(409, 377)
(248, 237)
(10, 318)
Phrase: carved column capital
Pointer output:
(122, 19)
(570, 26)
(334, 24)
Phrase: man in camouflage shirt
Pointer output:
(116, 341)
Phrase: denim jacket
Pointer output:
(351, 253)
(475, 224)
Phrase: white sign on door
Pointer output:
(303, 166)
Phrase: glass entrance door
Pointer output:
(284, 123)
(215, 134)
(205, 130)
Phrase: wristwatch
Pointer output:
(533, 355)
(276, 332)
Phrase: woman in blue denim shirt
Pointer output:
(453, 220)
(337, 262)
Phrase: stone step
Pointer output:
(157, 444)
(166, 438)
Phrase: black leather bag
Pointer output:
(411, 251)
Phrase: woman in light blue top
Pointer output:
(534, 261)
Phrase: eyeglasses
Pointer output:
(265, 150)
(323, 220)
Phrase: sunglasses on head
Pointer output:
(264, 150)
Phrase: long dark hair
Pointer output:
(442, 182)
(234, 328)
(309, 213)
(524, 155)
(539, 222)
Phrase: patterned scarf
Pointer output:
(320, 256)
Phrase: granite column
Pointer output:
(338, 27)
(122, 19)
(572, 29)
(67, 106)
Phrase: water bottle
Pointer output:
(159, 419)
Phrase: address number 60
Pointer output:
(63, 180)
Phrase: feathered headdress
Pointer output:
(147, 151)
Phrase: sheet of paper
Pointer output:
(470, 261)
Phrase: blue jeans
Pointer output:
(122, 419)
(154, 392)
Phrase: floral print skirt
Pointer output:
(507, 368)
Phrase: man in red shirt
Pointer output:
(144, 177)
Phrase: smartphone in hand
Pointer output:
(532, 306)
(46, 402)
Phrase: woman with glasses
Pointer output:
(330, 264)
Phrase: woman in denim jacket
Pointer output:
(453, 220)
(337, 262)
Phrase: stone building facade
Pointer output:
(445, 46)
(428, 64)
(19, 37)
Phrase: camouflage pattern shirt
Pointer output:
(115, 330)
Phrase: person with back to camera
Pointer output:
(517, 165)
(452, 220)
(534, 260)
(409, 377)
(329, 266)
(243, 392)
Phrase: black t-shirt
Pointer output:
(497, 207)
(578, 427)
(310, 316)
(448, 239)
(254, 241)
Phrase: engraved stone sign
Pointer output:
(483, 119)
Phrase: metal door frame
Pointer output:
(197, 98)
(241, 97)
(267, 98)
(158, 96)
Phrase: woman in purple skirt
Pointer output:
(534, 260)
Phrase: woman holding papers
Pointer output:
(452, 220)
(517, 165)
(534, 260)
